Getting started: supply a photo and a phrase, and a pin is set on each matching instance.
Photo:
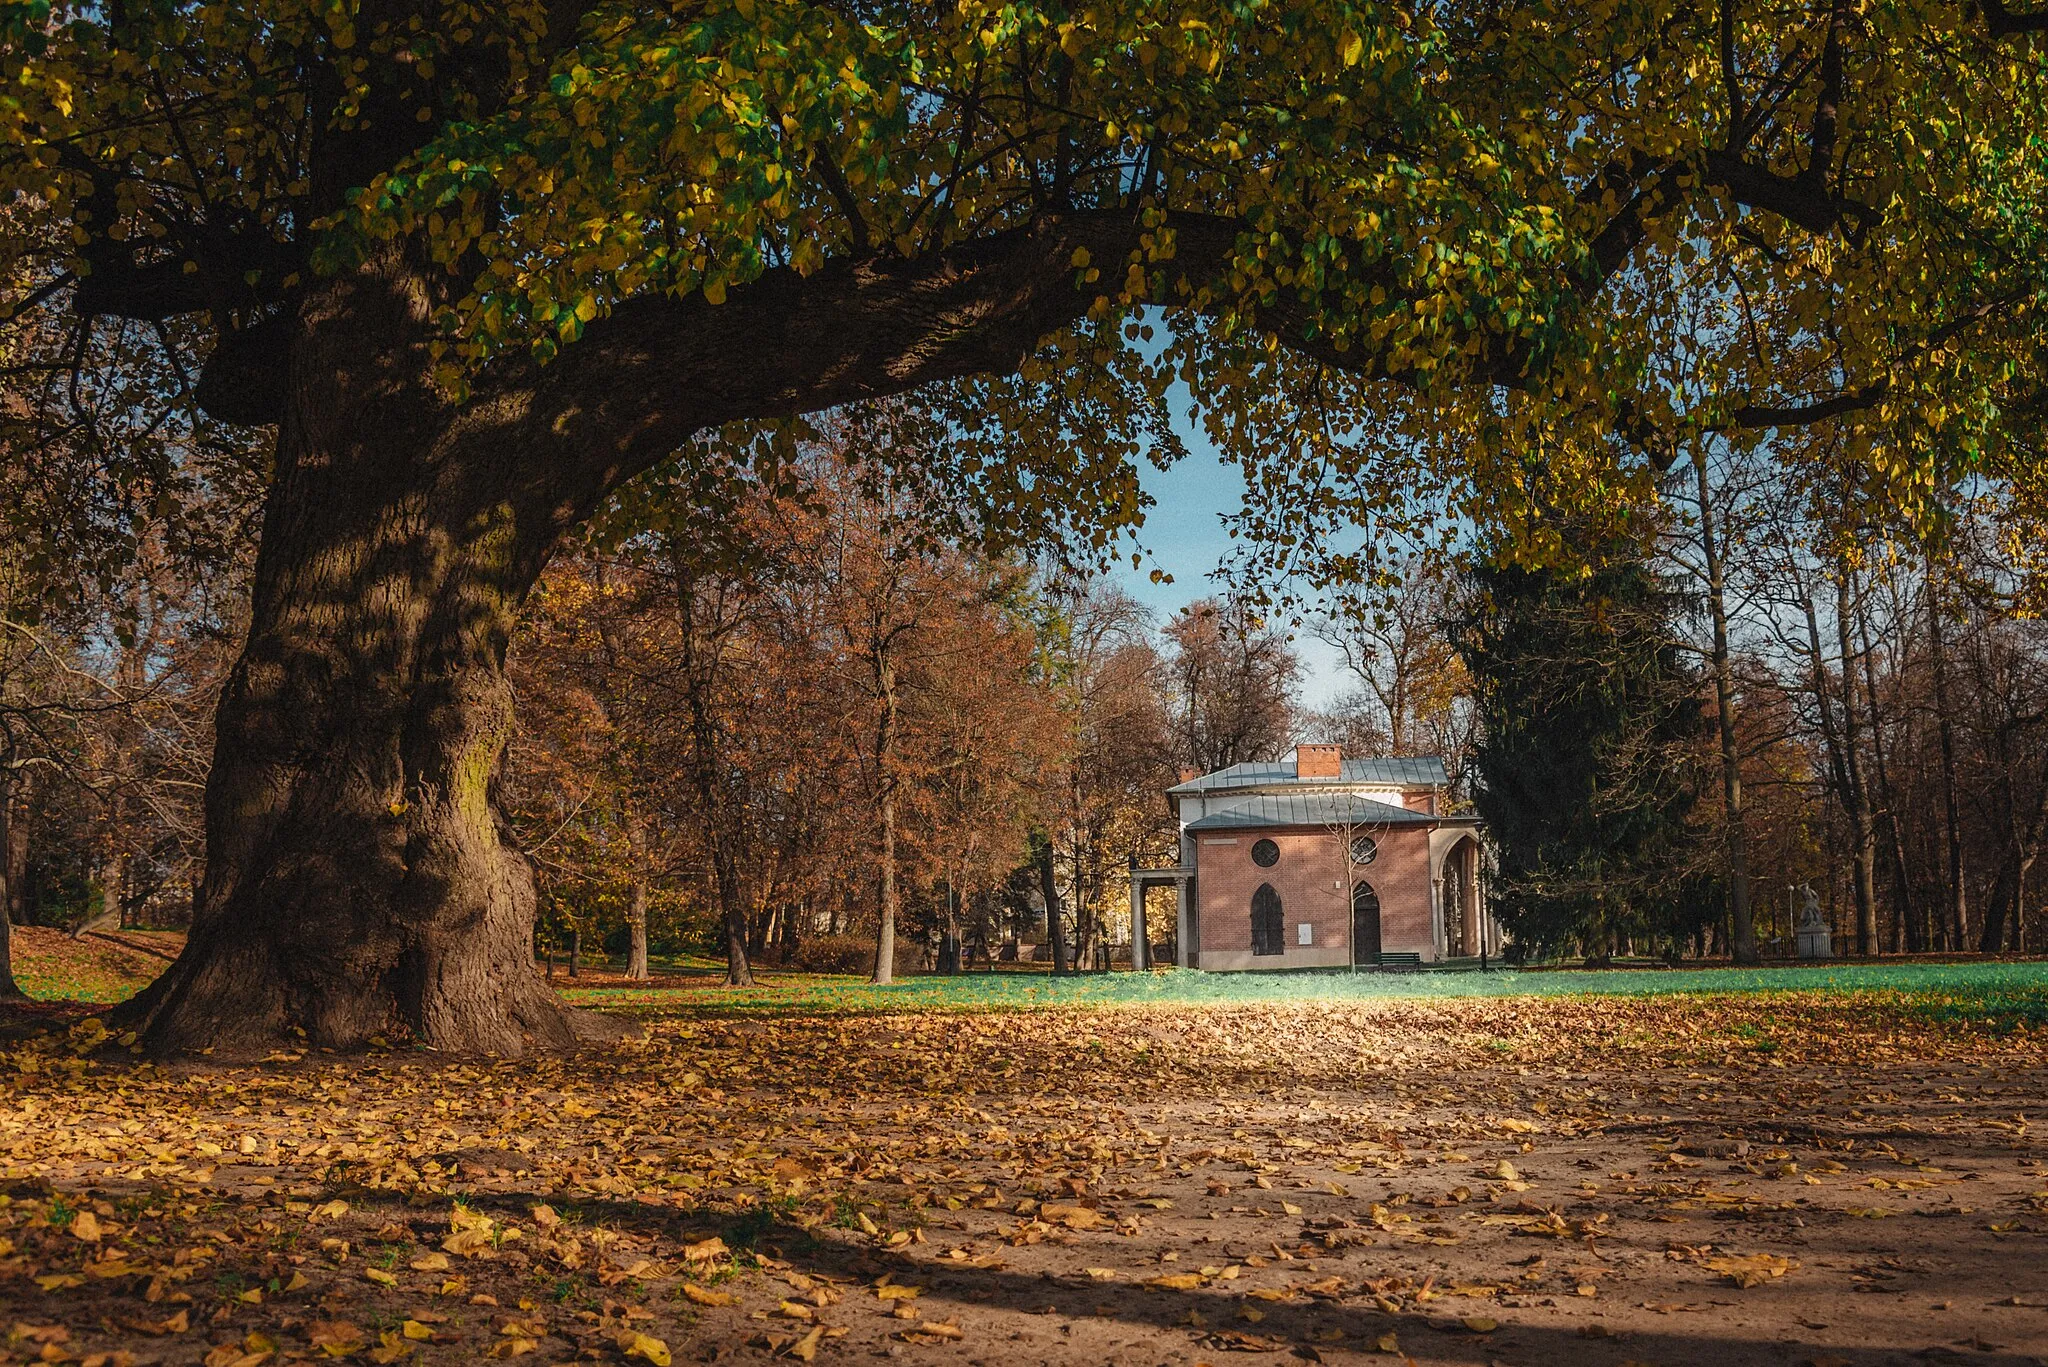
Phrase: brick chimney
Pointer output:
(1319, 761)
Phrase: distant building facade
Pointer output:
(1319, 861)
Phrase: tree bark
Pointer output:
(1845, 772)
(949, 945)
(1741, 917)
(360, 881)
(14, 850)
(701, 663)
(1958, 928)
(1905, 930)
(9, 989)
(1863, 831)
(885, 936)
(636, 903)
(1049, 888)
(885, 775)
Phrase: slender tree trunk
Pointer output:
(1741, 917)
(1049, 888)
(885, 938)
(949, 946)
(2005, 891)
(2019, 916)
(885, 755)
(112, 878)
(9, 989)
(701, 662)
(1845, 772)
(1904, 929)
(14, 850)
(636, 902)
(1862, 831)
(1958, 928)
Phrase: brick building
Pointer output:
(1320, 861)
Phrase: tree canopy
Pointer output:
(1435, 193)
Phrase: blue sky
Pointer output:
(1185, 536)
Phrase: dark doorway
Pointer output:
(1365, 925)
(1268, 933)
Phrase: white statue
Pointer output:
(1816, 941)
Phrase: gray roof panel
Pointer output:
(1310, 809)
(1418, 771)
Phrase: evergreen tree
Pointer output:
(1589, 716)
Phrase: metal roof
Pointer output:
(1311, 809)
(1419, 771)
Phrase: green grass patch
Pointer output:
(2015, 994)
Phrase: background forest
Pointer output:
(759, 728)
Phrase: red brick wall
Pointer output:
(1318, 761)
(1310, 880)
(1400, 875)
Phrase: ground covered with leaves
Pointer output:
(1825, 1177)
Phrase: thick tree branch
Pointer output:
(2003, 23)
(658, 370)
(1755, 415)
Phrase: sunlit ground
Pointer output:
(1834, 1166)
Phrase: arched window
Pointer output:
(1268, 935)
(1365, 924)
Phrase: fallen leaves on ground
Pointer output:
(728, 1181)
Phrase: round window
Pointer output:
(1363, 849)
(1265, 854)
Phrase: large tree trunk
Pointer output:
(360, 881)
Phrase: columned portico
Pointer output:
(1182, 881)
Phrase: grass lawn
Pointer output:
(52, 967)
(2009, 992)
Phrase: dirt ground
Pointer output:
(1804, 1179)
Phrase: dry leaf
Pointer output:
(1753, 1270)
(706, 1250)
(337, 1338)
(644, 1346)
(1073, 1217)
(1176, 1281)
